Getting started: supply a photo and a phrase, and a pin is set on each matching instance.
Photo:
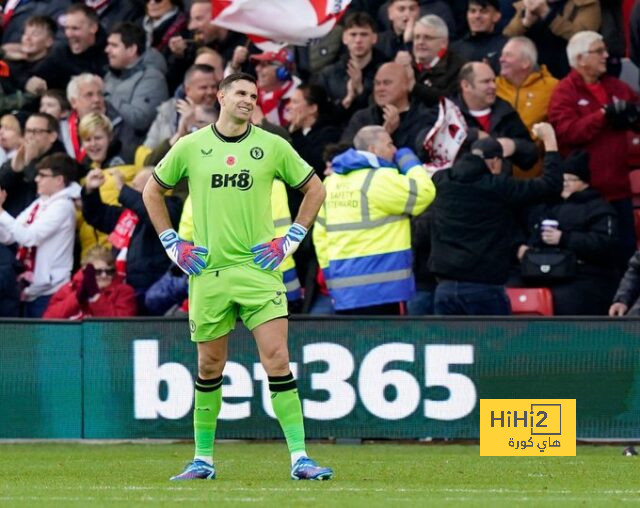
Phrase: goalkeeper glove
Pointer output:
(271, 254)
(184, 254)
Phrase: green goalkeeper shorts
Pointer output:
(217, 298)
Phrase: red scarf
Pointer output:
(179, 24)
(270, 101)
(78, 151)
(26, 256)
(121, 236)
(9, 10)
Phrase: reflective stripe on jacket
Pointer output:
(362, 234)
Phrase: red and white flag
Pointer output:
(278, 22)
(443, 142)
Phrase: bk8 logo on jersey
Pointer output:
(242, 180)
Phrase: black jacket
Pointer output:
(334, 80)
(121, 10)
(61, 64)
(629, 288)
(473, 217)
(589, 228)
(412, 122)
(505, 122)
(441, 80)
(21, 187)
(421, 248)
(389, 43)
(147, 260)
(311, 145)
(481, 46)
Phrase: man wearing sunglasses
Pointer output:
(95, 290)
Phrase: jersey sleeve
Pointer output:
(172, 167)
(292, 168)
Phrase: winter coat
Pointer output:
(551, 34)
(531, 98)
(120, 10)
(531, 101)
(116, 300)
(589, 230)
(441, 80)
(334, 79)
(389, 43)
(481, 46)
(473, 217)
(579, 122)
(61, 64)
(158, 36)
(168, 291)
(164, 125)
(109, 194)
(52, 232)
(311, 144)
(629, 289)
(9, 294)
(136, 92)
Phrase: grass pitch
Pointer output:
(257, 474)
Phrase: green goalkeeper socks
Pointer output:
(288, 410)
(208, 401)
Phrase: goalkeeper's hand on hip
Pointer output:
(184, 254)
(271, 254)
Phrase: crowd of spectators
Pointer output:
(93, 94)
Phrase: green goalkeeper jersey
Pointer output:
(230, 182)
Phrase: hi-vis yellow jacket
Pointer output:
(281, 221)
(362, 234)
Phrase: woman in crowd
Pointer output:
(164, 19)
(581, 223)
(96, 135)
(95, 290)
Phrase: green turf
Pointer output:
(252, 474)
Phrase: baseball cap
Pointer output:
(487, 148)
(282, 57)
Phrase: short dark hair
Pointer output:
(89, 13)
(52, 123)
(207, 69)
(360, 19)
(60, 96)
(485, 3)
(45, 22)
(131, 35)
(314, 94)
(333, 149)
(60, 164)
(236, 76)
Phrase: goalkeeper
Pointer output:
(230, 167)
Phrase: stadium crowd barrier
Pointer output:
(401, 378)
